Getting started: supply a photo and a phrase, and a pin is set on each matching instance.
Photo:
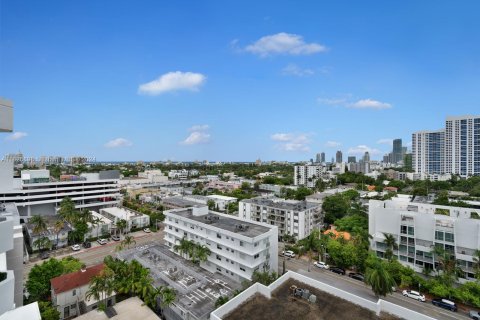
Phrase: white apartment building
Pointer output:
(296, 218)
(307, 175)
(178, 174)
(153, 176)
(238, 248)
(69, 292)
(418, 227)
(6, 115)
(34, 193)
(462, 145)
(134, 219)
(428, 151)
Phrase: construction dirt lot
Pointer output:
(283, 305)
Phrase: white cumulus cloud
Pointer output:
(294, 70)
(198, 134)
(118, 143)
(370, 104)
(385, 141)
(358, 104)
(361, 149)
(292, 141)
(173, 81)
(16, 136)
(283, 43)
(332, 144)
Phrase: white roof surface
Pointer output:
(30, 312)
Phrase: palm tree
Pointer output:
(101, 287)
(476, 266)
(391, 244)
(42, 243)
(184, 247)
(121, 226)
(39, 224)
(67, 210)
(168, 296)
(58, 226)
(379, 278)
(96, 221)
(357, 208)
(128, 241)
(447, 264)
(200, 253)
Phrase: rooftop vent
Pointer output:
(241, 227)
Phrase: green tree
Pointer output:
(121, 225)
(302, 193)
(311, 244)
(39, 224)
(42, 243)
(211, 204)
(200, 253)
(265, 278)
(335, 207)
(476, 264)
(127, 242)
(391, 244)
(67, 210)
(184, 247)
(101, 287)
(378, 277)
(47, 311)
(58, 227)
(221, 301)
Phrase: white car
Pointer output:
(76, 247)
(147, 230)
(321, 265)
(289, 253)
(102, 241)
(414, 295)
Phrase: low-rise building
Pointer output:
(58, 237)
(134, 219)
(238, 248)
(296, 218)
(419, 227)
(69, 292)
(130, 309)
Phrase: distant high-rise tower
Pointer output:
(397, 150)
(462, 145)
(322, 157)
(428, 152)
(318, 158)
(366, 157)
(352, 159)
(339, 157)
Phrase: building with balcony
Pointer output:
(35, 193)
(296, 218)
(135, 220)
(308, 175)
(238, 248)
(419, 227)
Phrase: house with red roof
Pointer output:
(69, 292)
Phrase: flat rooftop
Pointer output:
(121, 213)
(281, 203)
(283, 305)
(197, 289)
(130, 309)
(179, 202)
(225, 223)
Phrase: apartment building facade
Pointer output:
(296, 218)
(308, 175)
(419, 227)
(35, 194)
(238, 248)
(428, 152)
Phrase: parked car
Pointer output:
(102, 241)
(445, 303)
(115, 238)
(356, 276)
(475, 315)
(76, 247)
(44, 255)
(147, 230)
(414, 295)
(87, 244)
(288, 253)
(321, 265)
(338, 270)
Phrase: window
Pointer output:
(403, 229)
(255, 244)
(176, 221)
(219, 258)
(242, 268)
(256, 256)
(74, 292)
(439, 235)
(219, 236)
(449, 237)
(218, 269)
(170, 227)
(219, 247)
(241, 243)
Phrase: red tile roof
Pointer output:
(74, 280)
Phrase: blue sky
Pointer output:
(233, 81)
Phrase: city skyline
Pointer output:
(270, 82)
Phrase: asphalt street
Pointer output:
(362, 290)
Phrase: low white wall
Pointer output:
(395, 309)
